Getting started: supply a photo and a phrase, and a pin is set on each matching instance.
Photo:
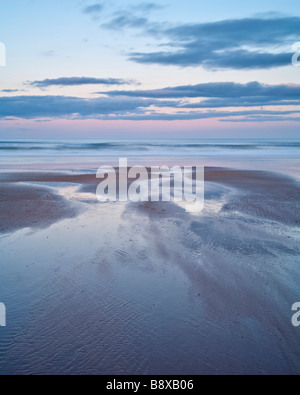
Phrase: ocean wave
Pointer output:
(142, 146)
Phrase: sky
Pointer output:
(149, 69)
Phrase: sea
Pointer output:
(282, 155)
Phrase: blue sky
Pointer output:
(149, 69)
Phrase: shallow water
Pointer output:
(150, 289)
(279, 155)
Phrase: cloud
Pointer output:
(133, 17)
(112, 108)
(183, 116)
(233, 59)
(263, 119)
(222, 94)
(93, 9)
(242, 102)
(28, 107)
(126, 20)
(75, 81)
(261, 42)
(147, 7)
(251, 43)
(11, 90)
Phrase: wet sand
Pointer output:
(146, 288)
(262, 194)
(266, 195)
(26, 206)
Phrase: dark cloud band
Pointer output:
(252, 43)
(76, 81)
(112, 108)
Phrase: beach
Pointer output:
(148, 288)
(149, 190)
